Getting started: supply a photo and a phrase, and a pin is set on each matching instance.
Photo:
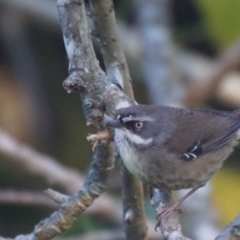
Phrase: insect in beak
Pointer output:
(110, 122)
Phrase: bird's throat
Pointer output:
(128, 152)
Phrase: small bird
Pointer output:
(173, 148)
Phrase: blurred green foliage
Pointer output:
(222, 20)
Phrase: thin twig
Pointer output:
(26, 198)
(40, 165)
(205, 88)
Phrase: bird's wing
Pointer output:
(201, 132)
(222, 138)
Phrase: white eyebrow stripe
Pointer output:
(128, 118)
(133, 118)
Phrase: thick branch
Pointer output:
(117, 71)
(110, 44)
(170, 227)
(95, 90)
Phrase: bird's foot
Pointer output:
(166, 213)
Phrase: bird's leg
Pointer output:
(174, 207)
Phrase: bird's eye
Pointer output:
(138, 125)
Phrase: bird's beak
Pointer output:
(110, 122)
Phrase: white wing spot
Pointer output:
(190, 156)
(195, 147)
(193, 155)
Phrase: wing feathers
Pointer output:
(202, 132)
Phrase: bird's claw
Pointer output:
(167, 213)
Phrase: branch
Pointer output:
(157, 58)
(105, 30)
(232, 232)
(44, 11)
(170, 227)
(26, 198)
(117, 70)
(51, 171)
(86, 76)
(97, 95)
(205, 88)
(73, 206)
(195, 69)
(117, 234)
(40, 165)
(161, 80)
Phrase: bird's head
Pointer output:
(137, 124)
